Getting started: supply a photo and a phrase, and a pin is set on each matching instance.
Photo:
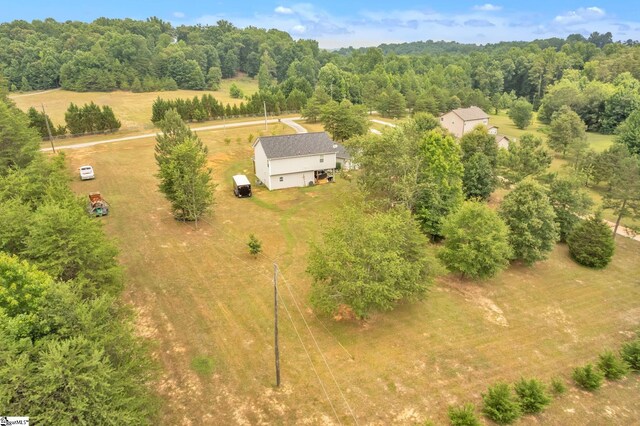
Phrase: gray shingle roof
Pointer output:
(471, 113)
(297, 145)
(341, 152)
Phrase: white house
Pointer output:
(297, 160)
(463, 120)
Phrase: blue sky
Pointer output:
(341, 23)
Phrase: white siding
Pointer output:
(472, 124)
(285, 166)
(290, 180)
(261, 164)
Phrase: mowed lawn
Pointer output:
(132, 109)
(207, 307)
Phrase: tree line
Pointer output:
(109, 54)
(418, 178)
(79, 120)
(69, 353)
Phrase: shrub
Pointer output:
(235, 92)
(591, 243)
(500, 405)
(630, 353)
(463, 416)
(588, 377)
(532, 395)
(612, 366)
(557, 386)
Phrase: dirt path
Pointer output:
(288, 121)
(295, 126)
(624, 231)
(384, 123)
(33, 93)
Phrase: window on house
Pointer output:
(281, 178)
(322, 159)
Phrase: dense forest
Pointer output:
(110, 54)
(69, 355)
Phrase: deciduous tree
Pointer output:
(569, 203)
(529, 215)
(368, 262)
(344, 120)
(476, 241)
(526, 157)
(566, 130)
(629, 132)
(521, 113)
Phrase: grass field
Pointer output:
(132, 109)
(207, 306)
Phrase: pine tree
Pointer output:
(591, 243)
(136, 86)
(255, 245)
(186, 180)
(174, 131)
(73, 118)
(109, 120)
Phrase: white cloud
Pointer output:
(179, 15)
(298, 29)
(371, 27)
(487, 7)
(283, 10)
(583, 14)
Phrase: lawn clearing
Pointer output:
(201, 296)
(132, 109)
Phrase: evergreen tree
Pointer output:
(186, 180)
(591, 243)
(235, 92)
(174, 131)
(255, 246)
(136, 86)
(19, 143)
(109, 122)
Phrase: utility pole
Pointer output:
(46, 120)
(264, 104)
(275, 312)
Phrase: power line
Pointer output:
(297, 334)
(319, 350)
(311, 361)
(274, 260)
